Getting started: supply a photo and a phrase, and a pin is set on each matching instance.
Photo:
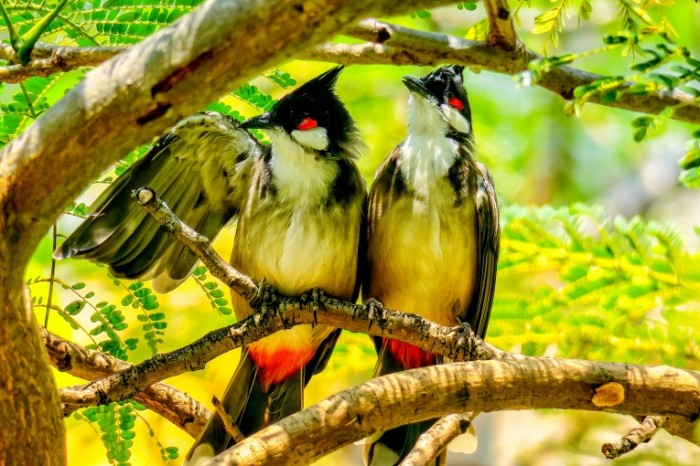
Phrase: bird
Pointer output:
(300, 229)
(300, 207)
(432, 234)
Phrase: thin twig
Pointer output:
(433, 441)
(501, 29)
(646, 430)
(230, 426)
(174, 405)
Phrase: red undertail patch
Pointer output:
(278, 365)
(409, 356)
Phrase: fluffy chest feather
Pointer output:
(425, 162)
(300, 175)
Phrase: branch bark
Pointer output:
(174, 405)
(404, 46)
(411, 396)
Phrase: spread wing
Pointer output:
(200, 169)
(488, 234)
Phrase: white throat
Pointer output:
(300, 174)
(427, 153)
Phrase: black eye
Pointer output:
(449, 95)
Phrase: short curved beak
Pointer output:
(416, 86)
(260, 122)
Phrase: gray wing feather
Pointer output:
(200, 170)
(488, 245)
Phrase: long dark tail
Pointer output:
(251, 407)
(392, 446)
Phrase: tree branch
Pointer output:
(50, 59)
(501, 29)
(396, 45)
(272, 314)
(411, 396)
(174, 405)
(427, 48)
(434, 441)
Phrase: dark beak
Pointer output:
(416, 86)
(260, 122)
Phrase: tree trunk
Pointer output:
(31, 431)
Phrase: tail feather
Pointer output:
(253, 407)
(389, 448)
(249, 406)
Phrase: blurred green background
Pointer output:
(540, 156)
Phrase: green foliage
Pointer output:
(215, 295)
(596, 288)
(551, 22)
(142, 298)
(115, 424)
(20, 107)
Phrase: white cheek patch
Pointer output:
(315, 138)
(455, 119)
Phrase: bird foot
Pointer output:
(267, 299)
(314, 297)
(466, 341)
(375, 312)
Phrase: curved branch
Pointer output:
(174, 405)
(532, 383)
(427, 48)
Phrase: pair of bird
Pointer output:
(425, 241)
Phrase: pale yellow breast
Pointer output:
(294, 251)
(423, 255)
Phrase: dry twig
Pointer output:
(646, 430)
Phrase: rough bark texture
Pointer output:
(31, 431)
(119, 105)
(435, 391)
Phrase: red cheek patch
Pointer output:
(307, 123)
(456, 103)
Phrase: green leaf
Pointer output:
(75, 307)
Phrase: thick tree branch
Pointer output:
(501, 29)
(433, 441)
(174, 405)
(420, 394)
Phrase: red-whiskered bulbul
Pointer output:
(300, 204)
(432, 234)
